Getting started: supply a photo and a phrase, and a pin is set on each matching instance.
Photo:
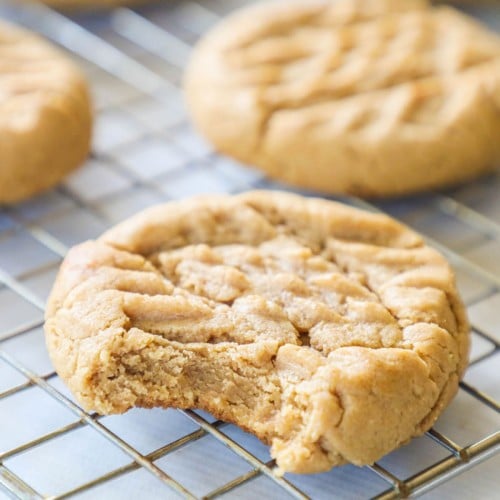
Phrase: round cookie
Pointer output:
(333, 334)
(45, 115)
(367, 97)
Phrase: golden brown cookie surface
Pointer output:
(45, 115)
(333, 334)
(371, 97)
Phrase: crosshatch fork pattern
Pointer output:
(144, 152)
(303, 68)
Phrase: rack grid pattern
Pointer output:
(145, 152)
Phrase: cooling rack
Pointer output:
(145, 151)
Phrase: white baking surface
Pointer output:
(146, 152)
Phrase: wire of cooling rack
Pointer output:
(127, 46)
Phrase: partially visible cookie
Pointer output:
(333, 334)
(94, 4)
(370, 97)
(45, 115)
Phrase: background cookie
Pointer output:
(372, 97)
(45, 115)
(95, 4)
(331, 333)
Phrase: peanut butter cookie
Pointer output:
(87, 4)
(45, 115)
(370, 97)
(333, 334)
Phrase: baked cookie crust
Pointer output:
(45, 115)
(367, 97)
(333, 334)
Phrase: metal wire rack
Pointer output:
(144, 152)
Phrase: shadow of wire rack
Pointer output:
(145, 151)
